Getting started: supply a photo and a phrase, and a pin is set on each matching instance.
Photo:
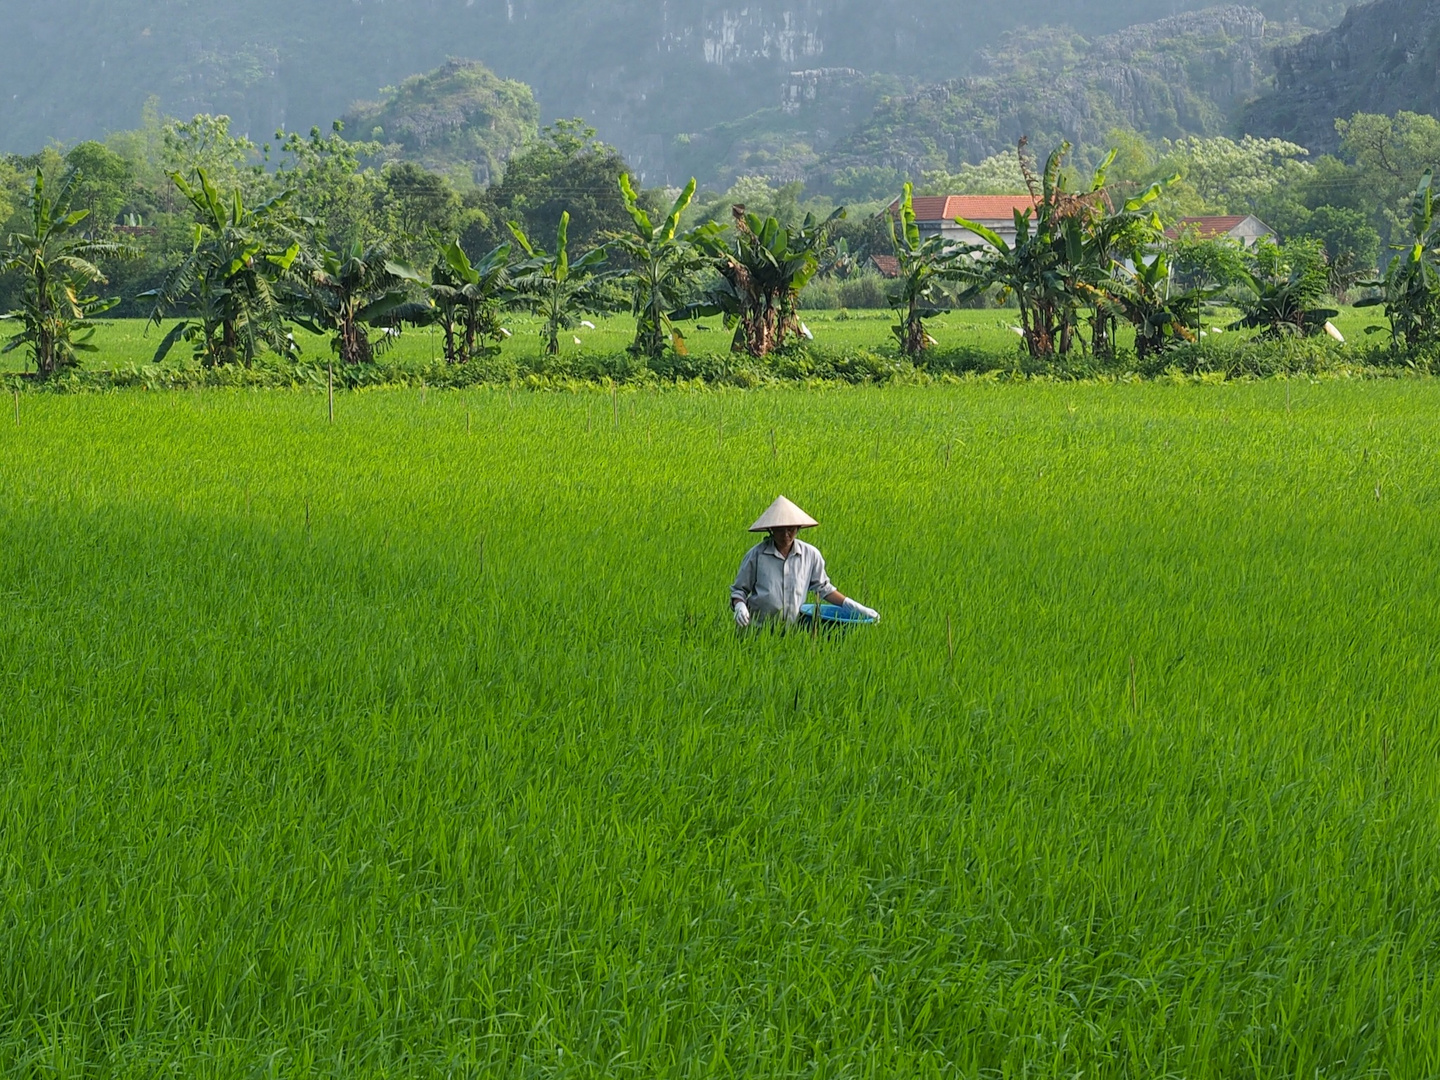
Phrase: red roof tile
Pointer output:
(1206, 228)
(931, 208)
(888, 265)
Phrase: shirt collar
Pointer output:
(771, 549)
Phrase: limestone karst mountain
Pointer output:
(1382, 58)
(642, 71)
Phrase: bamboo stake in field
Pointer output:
(17, 406)
(330, 389)
(615, 406)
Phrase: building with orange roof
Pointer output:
(936, 214)
(1245, 229)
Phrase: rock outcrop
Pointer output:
(1383, 57)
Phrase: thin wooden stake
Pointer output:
(615, 406)
(330, 389)
(17, 406)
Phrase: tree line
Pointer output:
(237, 253)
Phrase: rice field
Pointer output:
(421, 744)
(126, 342)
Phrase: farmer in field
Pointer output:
(777, 573)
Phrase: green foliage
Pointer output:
(926, 268)
(1229, 177)
(662, 267)
(56, 264)
(264, 766)
(226, 285)
(566, 171)
(1147, 298)
(998, 174)
(1284, 288)
(416, 206)
(460, 120)
(349, 293)
(1410, 288)
(466, 299)
(1350, 243)
(102, 180)
(332, 189)
(204, 144)
(762, 266)
(1172, 79)
(1388, 153)
(1217, 263)
(551, 284)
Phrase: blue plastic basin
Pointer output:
(833, 613)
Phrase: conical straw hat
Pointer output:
(783, 512)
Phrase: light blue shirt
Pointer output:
(774, 585)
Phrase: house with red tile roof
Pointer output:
(936, 214)
(1244, 229)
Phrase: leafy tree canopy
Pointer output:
(462, 120)
(567, 169)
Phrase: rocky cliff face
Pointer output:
(1383, 57)
(1178, 76)
(643, 71)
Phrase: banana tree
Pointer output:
(663, 264)
(56, 264)
(227, 287)
(551, 285)
(1111, 243)
(1284, 296)
(1046, 268)
(763, 265)
(351, 292)
(925, 267)
(1146, 297)
(1410, 288)
(466, 299)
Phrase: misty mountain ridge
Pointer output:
(644, 72)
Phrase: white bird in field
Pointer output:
(1202, 333)
(805, 332)
(504, 332)
(1333, 332)
(578, 341)
(587, 324)
(1018, 331)
(1217, 330)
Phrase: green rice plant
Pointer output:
(420, 743)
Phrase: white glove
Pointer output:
(856, 606)
(742, 615)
